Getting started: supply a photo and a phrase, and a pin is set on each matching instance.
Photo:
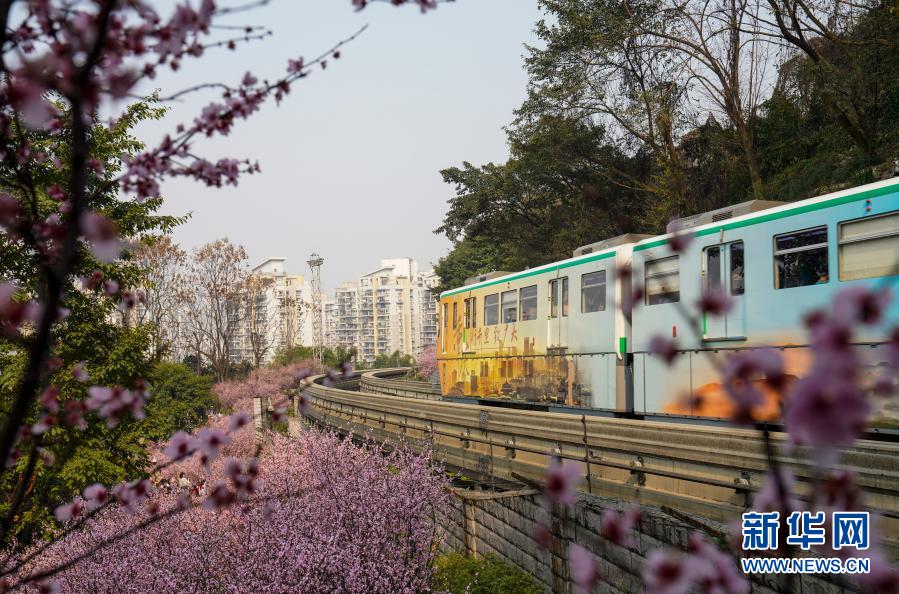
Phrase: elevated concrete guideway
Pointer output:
(709, 471)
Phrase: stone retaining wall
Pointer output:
(503, 524)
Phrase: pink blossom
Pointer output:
(632, 300)
(50, 399)
(295, 66)
(561, 481)
(666, 573)
(79, 373)
(714, 570)
(584, 571)
(114, 403)
(279, 414)
(616, 527)
(43, 424)
(238, 420)
(715, 302)
(542, 536)
(884, 575)
(860, 305)
(211, 441)
(9, 210)
(303, 402)
(892, 348)
(664, 347)
(96, 496)
(774, 496)
(69, 511)
(180, 445)
(427, 361)
(103, 236)
(826, 412)
(680, 238)
(74, 414)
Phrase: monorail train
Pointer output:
(555, 335)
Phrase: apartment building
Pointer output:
(273, 313)
(389, 309)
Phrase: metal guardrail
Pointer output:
(709, 471)
(384, 381)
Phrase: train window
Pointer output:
(510, 307)
(737, 269)
(663, 281)
(800, 258)
(527, 302)
(713, 268)
(455, 315)
(869, 247)
(491, 309)
(445, 316)
(471, 316)
(554, 298)
(593, 291)
(558, 288)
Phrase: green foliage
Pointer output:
(458, 574)
(395, 359)
(96, 332)
(181, 401)
(330, 357)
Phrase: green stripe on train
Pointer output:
(764, 218)
(527, 273)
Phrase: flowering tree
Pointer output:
(427, 362)
(329, 516)
(68, 211)
(162, 261)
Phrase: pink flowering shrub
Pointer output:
(267, 383)
(326, 515)
(427, 362)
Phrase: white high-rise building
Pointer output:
(275, 313)
(389, 309)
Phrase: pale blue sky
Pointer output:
(350, 161)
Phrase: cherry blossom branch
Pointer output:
(175, 510)
(40, 344)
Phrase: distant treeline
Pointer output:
(639, 111)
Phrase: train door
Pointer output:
(557, 323)
(723, 269)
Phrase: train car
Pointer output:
(553, 334)
(556, 334)
(776, 262)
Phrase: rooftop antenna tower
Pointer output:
(315, 265)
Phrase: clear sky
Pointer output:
(351, 160)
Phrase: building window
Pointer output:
(510, 307)
(662, 281)
(593, 291)
(737, 269)
(491, 309)
(527, 298)
(471, 316)
(869, 247)
(800, 258)
(557, 298)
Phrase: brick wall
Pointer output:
(503, 524)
